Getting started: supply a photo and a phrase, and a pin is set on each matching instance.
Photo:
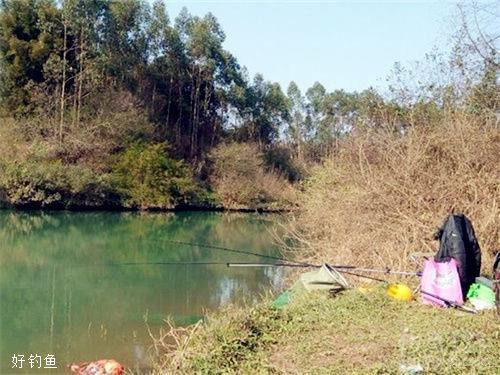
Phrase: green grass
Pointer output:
(350, 333)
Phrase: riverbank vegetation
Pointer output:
(86, 85)
(382, 191)
(352, 333)
(397, 169)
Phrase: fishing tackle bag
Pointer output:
(457, 240)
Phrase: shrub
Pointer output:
(43, 184)
(89, 142)
(241, 181)
(279, 158)
(147, 177)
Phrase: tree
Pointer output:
(266, 111)
(478, 32)
(299, 127)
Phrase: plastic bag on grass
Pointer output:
(481, 297)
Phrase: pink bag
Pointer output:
(441, 279)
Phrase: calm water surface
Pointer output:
(64, 289)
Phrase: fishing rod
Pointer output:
(352, 268)
(228, 249)
(388, 271)
(282, 261)
(285, 262)
(227, 264)
(449, 303)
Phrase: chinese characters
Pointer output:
(34, 361)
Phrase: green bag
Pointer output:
(481, 296)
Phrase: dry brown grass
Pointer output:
(241, 180)
(381, 196)
(171, 346)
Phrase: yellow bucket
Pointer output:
(400, 292)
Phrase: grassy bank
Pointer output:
(350, 333)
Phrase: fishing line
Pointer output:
(285, 263)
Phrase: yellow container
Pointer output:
(400, 292)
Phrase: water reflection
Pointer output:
(62, 292)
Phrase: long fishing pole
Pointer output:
(449, 303)
(282, 261)
(352, 268)
(388, 272)
(285, 263)
(227, 264)
(234, 251)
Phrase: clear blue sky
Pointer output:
(350, 44)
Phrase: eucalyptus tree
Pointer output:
(124, 41)
(266, 111)
(299, 127)
(191, 80)
(332, 115)
(67, 58)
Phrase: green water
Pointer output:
(64, 292)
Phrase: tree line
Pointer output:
(91, 78)
(61, 58)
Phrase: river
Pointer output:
(81, 286)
